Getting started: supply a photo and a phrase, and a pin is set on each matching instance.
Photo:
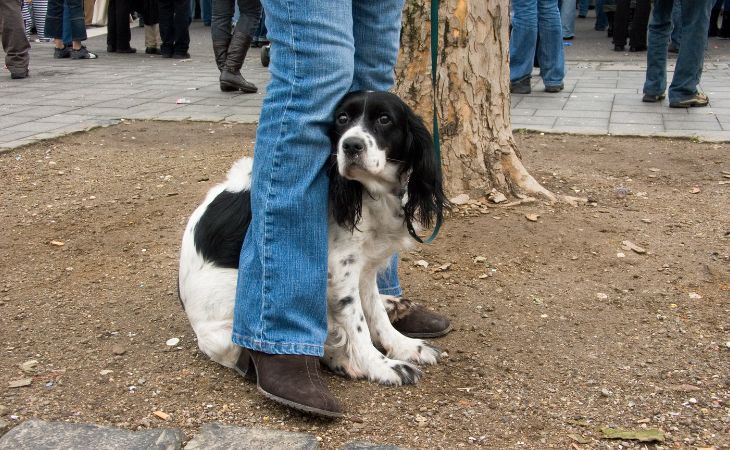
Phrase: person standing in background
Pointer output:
(175, 20)
(15, 42)
(151, 18)
(695, 21)
(230, 48)
(118, 32)
(637, 24)
(54, 29)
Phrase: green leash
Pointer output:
(436, 138)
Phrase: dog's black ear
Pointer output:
(345, 197)
(426, 198)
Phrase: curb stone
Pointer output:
(41, 435)
(215, 436)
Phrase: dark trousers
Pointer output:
(15, 43)
(174, 22)
(118, 33)
(54, 19)
(223, 15)
(638, 24)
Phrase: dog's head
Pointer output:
(379, 145)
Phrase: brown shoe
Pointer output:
(291, 380)
(413, 320)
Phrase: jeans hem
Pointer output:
(278, 348)
(394, 291)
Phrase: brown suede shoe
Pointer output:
(413, 320)
(291, 380)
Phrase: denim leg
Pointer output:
(388, 281)
(550, 51)
(688, 70)
(656, 55)
(281, 298)
(523, 39)
(78, 26)
(583, 9)
(601, 18)
(66, 35)
(376, 31)
(220, 21)
(676, 37)
(567, 18)
(54, 19)
(249, 19)
(205, 11)
(167, 25)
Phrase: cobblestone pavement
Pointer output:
(602, 95)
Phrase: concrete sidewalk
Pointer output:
(602, 92)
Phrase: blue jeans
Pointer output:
(567, 18)
(601, 17)
(676, 36)
(54, 19)
(530, 18)
(695, 20)
(320, 50)
(583, 7)
(66, 25)
(388, 282)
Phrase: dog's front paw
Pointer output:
(415, 351)
(394, 373)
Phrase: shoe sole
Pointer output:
(690, 105)
(228, 87)
(299, 406)
(652, 100)
(435, 334)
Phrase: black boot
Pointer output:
(725, 29)
(231, 78)
(714, 15)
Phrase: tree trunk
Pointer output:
(472, 94)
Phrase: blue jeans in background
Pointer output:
(601, 17)
(583, 7)
(530, 18)
(676, 36)
(320, 51)
(567, 18)
(695, 19)
(66, 38)
(388, 282)
(54, 19)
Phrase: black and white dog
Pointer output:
(384, 186)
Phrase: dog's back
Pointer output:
(209, 255)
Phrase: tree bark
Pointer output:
(472, 94)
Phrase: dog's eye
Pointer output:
(342, 119)
(384, 119)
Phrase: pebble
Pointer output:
(4, 426)
(29, 366)
(20, 383)
(119, 350)
(695, 296)
(105, 372)
(601, 295)
(605, 392)
(172, 342)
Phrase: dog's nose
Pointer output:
(353, 145)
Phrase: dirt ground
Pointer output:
(559, 331)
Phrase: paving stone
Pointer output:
(369, 446)
(215, 436)
(41, 435)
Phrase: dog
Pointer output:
(384, 186)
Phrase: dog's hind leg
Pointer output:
(214, 339)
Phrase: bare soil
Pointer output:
(556, 335)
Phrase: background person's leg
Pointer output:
(281, 304)
(523, 39)
(660, 24)
(15, 43)
(567, 18)
(550, 47)
(688, 70)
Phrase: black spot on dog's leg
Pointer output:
(359, 329)
(344, 301)
(420, 347)
(407, 374)
(362, 318)
(346, 275)
(349, 259)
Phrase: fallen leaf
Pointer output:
(461, 199)
(648, 435)
(105, 372)
(628, 245)
(421, 263)
(443, 268)
(29, 366)
(497, 197)
(695, 190)
(480, 259)
(532, 217)
(653, 169)
(695, 296)
(601, 295)
(118, 350)
(578, 438)
(20, 383)
(57, 243)
(161, 415)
